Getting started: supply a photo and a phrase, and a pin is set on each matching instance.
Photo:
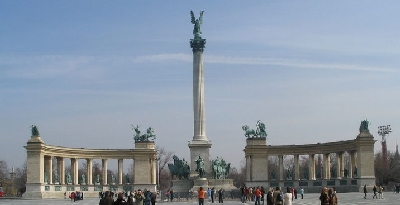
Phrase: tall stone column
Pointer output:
(199, 146)
(351, 163)
(266, 168)
(74, 171)
(311, 167)
(340, 169)
(327, 164)
(248, 168)
(120, 171)
(281, 167)
(296, 167)
(61, 169)
(104, 168)
(89, 168)
(48, 167)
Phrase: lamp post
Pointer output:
(12, 175)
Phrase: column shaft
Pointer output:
(327, 164)
(198, 97)
(296, 167)
(281, 168)
(48, 169)
(120, 169)
(311, 167)
(60, 169)
(89, 175)
(104, 167)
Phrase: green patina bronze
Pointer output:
(364, 126)
(197, 43)
(34, 130)
(179, 169)
(220, 168)
(200, 167)
(259, 132)
(197, 24)
(146, 137)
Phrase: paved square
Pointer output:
(309, 199)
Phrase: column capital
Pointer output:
(197, 44)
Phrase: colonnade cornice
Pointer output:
(82, 153)
(319, 148)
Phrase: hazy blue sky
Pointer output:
(84, 71)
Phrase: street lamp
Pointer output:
(12, 175)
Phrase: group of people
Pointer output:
(328, 196)
(274, 196)
(212, 193)
(138, 197)
(202, 194)
(376, 189)
(74, 196)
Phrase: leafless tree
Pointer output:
(164, 157)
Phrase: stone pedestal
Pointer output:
(225, 184)
(181, 185)
(200, 148)
(200, 182)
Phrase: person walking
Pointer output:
(277, 196)
(365, 191)
(201, 195)
(380, 190)
(139, 197)
(257, 194)
(221, 196)
(270, 199)
(153, 198)
(288, 197)
(212, 194)
(374, 190)
(324, 197)
(333, 196)
(301, 192)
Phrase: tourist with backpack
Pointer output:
(278, 196)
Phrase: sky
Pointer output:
(83, 72)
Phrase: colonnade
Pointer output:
(360, 166)
(41, 184)
(311, 169)
(63, 174)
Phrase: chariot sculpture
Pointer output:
(259, 132)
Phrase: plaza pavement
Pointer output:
(309, 199)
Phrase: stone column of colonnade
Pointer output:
(340, 165)
(311, 167)
(281, 171)
(120, 162)
(327, 166)
(48, 170)
(74, 171)
(104, 168)
(61, 169)
(296, 167)
(89, 168)
(351, 164)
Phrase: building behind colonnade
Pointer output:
(354, 164)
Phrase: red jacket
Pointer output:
(257, 192)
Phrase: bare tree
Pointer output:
(21, 178)
(163, 158)
(238, 175)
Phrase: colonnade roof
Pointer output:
(306, 149)
(84, 153)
